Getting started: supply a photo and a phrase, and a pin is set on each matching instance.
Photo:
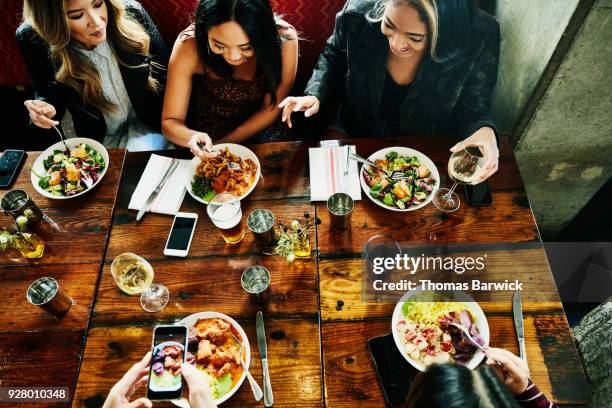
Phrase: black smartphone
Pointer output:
(167, 354)
(395, 374)
(10, 163)
(478, 195)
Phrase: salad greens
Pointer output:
(68, 173)
(414, 187)
(201, 187)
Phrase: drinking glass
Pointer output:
(30, 245)
(255, 281)
(225, 212)
(18, 203)
(463, 166)
(46, 293)
(134, 275)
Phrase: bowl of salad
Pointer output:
(59, 173)
(423, 330)
(404, 179)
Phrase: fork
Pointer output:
(469, 336)
(230, 165)
(62, 137)
(257, 393)
(396, 175)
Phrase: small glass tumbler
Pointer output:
(255, 280)
(17, 203)
(340, 206)
(261, 224)
(45, 292)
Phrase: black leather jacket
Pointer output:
(88, 120)
(453, 97)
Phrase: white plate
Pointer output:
(460, 296)
(189, 321)
(238, 150)
(72, 143)
(402, 151)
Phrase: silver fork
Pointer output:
(469, 336)
(257, 393)
(61, 137)
(230, 165)
(396, 175)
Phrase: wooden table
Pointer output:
(35, 349)
(316, 322)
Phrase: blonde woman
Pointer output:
(102, 60)
(406, 67)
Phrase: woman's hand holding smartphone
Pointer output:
(137, 376)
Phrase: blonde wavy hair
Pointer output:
(427, 11)
(50, 21)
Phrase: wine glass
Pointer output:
(134, 275)
(463, 168)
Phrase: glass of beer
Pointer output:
(225, 212)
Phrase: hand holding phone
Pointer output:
(181, 234)
(167, 356)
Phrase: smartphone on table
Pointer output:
(181, 233)
(167, 354)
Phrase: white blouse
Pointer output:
(123, 128)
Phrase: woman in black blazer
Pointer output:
(403, 67)
(102, 60)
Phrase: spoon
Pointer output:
(257, 393)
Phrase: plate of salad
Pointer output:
(405, 181)
(59, 173)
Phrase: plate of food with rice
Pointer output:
(234, 170)
(423, 330)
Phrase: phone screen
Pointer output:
(181, 233)
(165, 379)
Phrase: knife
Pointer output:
(518, 324)
(173, 164)
(263, 353)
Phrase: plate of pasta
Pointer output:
(234, 170)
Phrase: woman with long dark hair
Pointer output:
(227, 73)
(102, 60)
(409, 67)
(502, 383)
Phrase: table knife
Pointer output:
(173, 164)
(263, 353)
(518, 324)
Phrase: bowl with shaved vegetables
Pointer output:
(423, 327)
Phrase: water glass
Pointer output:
(340, 206)
(17, 203)
(255, 280)
(261, 224)
(45, 292)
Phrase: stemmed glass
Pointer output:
(463, 167)
(134, 275)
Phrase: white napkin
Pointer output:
(327, 173)
(169, 199)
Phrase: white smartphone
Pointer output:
(181, 234)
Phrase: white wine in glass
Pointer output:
(463, 168)
(132, 273)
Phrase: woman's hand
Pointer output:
(41, 113)
(309, 104)
(514, 372)
(202, 139)
(137, 376)
(484, 139)
(200, 395)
